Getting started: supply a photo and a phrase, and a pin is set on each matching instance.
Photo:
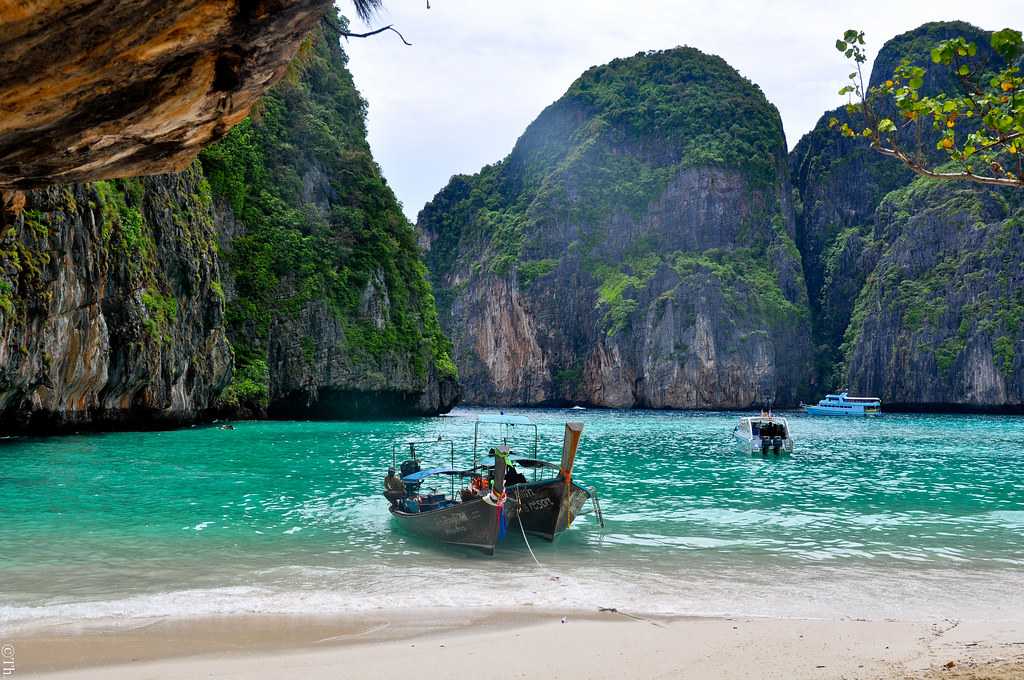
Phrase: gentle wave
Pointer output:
(825, 593)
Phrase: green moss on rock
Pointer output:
(321, 226)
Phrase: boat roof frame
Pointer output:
(845, 396)
(505, 419)
(751, 419)
(507, 422)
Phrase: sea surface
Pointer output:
(914, 517)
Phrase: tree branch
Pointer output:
(389, 27)
(919, 169)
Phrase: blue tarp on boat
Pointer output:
(423, 474)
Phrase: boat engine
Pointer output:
(776, 445)
(408, 467)
(766, 443)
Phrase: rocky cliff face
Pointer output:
(94, 89)
(905, 296)
(939, 322)
(839, 184)
(110, 308)
(635, 248)
(277, 277)
(329, 308)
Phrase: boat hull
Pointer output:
(539, 506)
(474, 523)
(753, 446)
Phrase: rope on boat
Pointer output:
(519, 518)
(597, 506)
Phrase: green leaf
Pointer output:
(916, 83)
(886, 125)
(963, 70)
(841, 46)
(1008, 44)
(936, 56)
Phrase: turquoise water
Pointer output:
(905, 516)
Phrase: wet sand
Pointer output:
(521, 644)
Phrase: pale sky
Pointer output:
(480, 70)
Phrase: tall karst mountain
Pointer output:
(636, 248)
(277, 276)
(916, 287)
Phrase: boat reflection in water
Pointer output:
(491, 495)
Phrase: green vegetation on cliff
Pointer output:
(108, 301)
(948, 278)
(610, 146)
(891, 263)
(320, 226)
(693, 107)
(640, 224)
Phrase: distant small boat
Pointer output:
(764, 434)
(578, 408)
(844, 405)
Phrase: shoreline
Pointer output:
(142, 425)
(593, 644)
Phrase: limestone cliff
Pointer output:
(277, 277)
(111, 312)
(939, 322)
(840, 182)
(328, 304)
(914, 286)
(94, 89)
(635, 248)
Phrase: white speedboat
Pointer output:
(844, 405)
(764, 434)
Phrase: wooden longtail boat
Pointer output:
(496, 497)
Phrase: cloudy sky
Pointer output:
(480, 70)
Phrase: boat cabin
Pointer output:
(759, 427)
(763, 434)
(844, 405)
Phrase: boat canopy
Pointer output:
(423, 474)
(505, 419)
(528, 462)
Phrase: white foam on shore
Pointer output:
(821, 593)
